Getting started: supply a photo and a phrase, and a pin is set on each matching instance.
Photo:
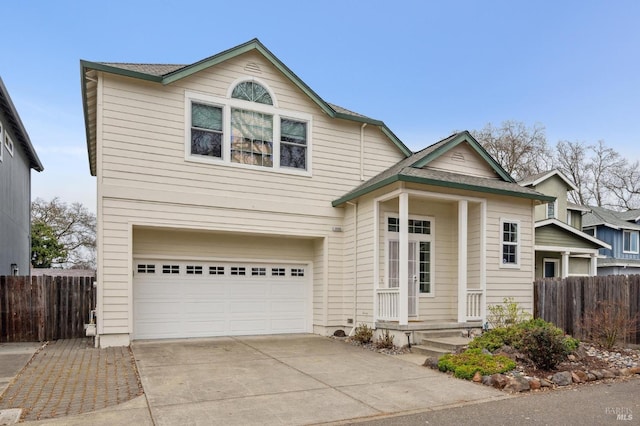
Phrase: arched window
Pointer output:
(251, 91)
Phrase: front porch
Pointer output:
(431, 271)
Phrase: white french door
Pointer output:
(419, 270)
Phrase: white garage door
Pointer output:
(199, 299)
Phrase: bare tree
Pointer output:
(73, 225)
(571, 159)
(522, 151)
(604, 162)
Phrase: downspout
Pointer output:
(362, 151)
(355, 266)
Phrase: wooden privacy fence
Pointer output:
(570, 301)
(44, 308)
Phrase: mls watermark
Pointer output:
(621, 413)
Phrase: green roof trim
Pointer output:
(188, 70)
(440, 183)
(461, 137)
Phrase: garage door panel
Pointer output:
(217, 303)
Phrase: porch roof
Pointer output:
(412, 169)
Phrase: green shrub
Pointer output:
(466, 364)
(496, 338)
(363, 334)
(508, 314)
(570, 344)
(385, 340)
(545, 346)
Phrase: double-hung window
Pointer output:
(551, 210)
(248, 128)
(206, 130)
(510, 243)
(630, 242)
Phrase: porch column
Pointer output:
(565, 264)
(403, 255)
(463, 218)
(593, 265)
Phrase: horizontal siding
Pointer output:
(143, 141)
(553, 236)
(463, 157)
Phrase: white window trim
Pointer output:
(551, 260)
(509, 265)
(226, 104)
(555, 210)
(625, 231)
(415, 238)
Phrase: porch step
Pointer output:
(429, 351)
(438, 343)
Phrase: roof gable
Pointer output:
(167, 73)
(17, 128)
(535, 180)
(412, 169)
(449, 144)
(571, 234)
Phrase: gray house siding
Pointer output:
(15, 189)
(15, 208)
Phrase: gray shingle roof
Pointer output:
(404, 170)
(602, 216)
(17, 128)
(158, 70)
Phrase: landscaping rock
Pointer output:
(545, 384)
(624, 372)
(581, 375)
(590, 376)
(431, 362)
(535, 384)
(598, 374)
(575, 378)
(517, 384)
(477, 378)
(487, 380)
(562, 378)
(499, 380)
(580, 353)
(634, 370)
(608, 374)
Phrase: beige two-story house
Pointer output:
(234, 200)
(562, 248)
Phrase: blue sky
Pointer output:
(425, 68)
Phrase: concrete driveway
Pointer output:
(292, 379)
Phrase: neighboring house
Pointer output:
(562, 248)
(17, 158)
(620, 230)
(233, 200)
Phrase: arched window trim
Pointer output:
(233, 85)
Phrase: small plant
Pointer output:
(545, 345)
(608, 323)
(466, 364)
(385, 340)
(363, 334)
(509, 313)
